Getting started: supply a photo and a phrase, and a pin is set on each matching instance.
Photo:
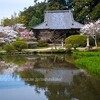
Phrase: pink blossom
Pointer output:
(26, 34)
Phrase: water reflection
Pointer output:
(50, 77)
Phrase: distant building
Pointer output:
(58, 21)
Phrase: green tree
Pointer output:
(86, 10)
(34, 21)
(7, 22)
(95, 14)
(56, 5)
(33, 12)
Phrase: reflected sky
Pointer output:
(13, 88)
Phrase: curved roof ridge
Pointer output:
(57, 11)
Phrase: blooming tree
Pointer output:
(91, 29)
(8, 34)
(26, 34)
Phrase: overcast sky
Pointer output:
(8, 7)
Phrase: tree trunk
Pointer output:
(95, 41)
(62, 44)
(88, 42)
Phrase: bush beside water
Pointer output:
(19, 45)
(16, 45)
(8, 48)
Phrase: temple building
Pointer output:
(59, 22)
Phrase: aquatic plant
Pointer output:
(89, 61)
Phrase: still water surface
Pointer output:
(45, 77)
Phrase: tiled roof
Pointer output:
(59, 19)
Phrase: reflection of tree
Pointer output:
(32, 77)
(85, 88)
(57, 92)
(16, 59)
(52, 61)
(82, 88)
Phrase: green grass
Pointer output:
(87, 53)
(89, 61)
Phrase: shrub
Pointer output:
(2, 44)
(68, 46)
(8, 48)
(75, 46)
(58, 51)
(42, 44)
(19, 45)
(32, 46)
(76, 40)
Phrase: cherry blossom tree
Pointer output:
(8, 34)
(91, 30)
(26, 34)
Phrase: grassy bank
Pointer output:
(89, 61)
(34, 51)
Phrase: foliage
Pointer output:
(32, 46)
(13, 20)
(58, 51)
(42, 44)
(95, 14)
(89, 61)
(86, 10)
(78, 40)
(75, 46)
(56, 5)
(34, 21)
(19, 60)
(86, 53)
(7, 22)
(68, 46)
(33, 14)
(2, 44)
(8, 48)
(19, 45)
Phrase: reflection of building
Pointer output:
(58, 21)
(58, 75)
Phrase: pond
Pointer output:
(45, 77)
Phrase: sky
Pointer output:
(8, 7)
